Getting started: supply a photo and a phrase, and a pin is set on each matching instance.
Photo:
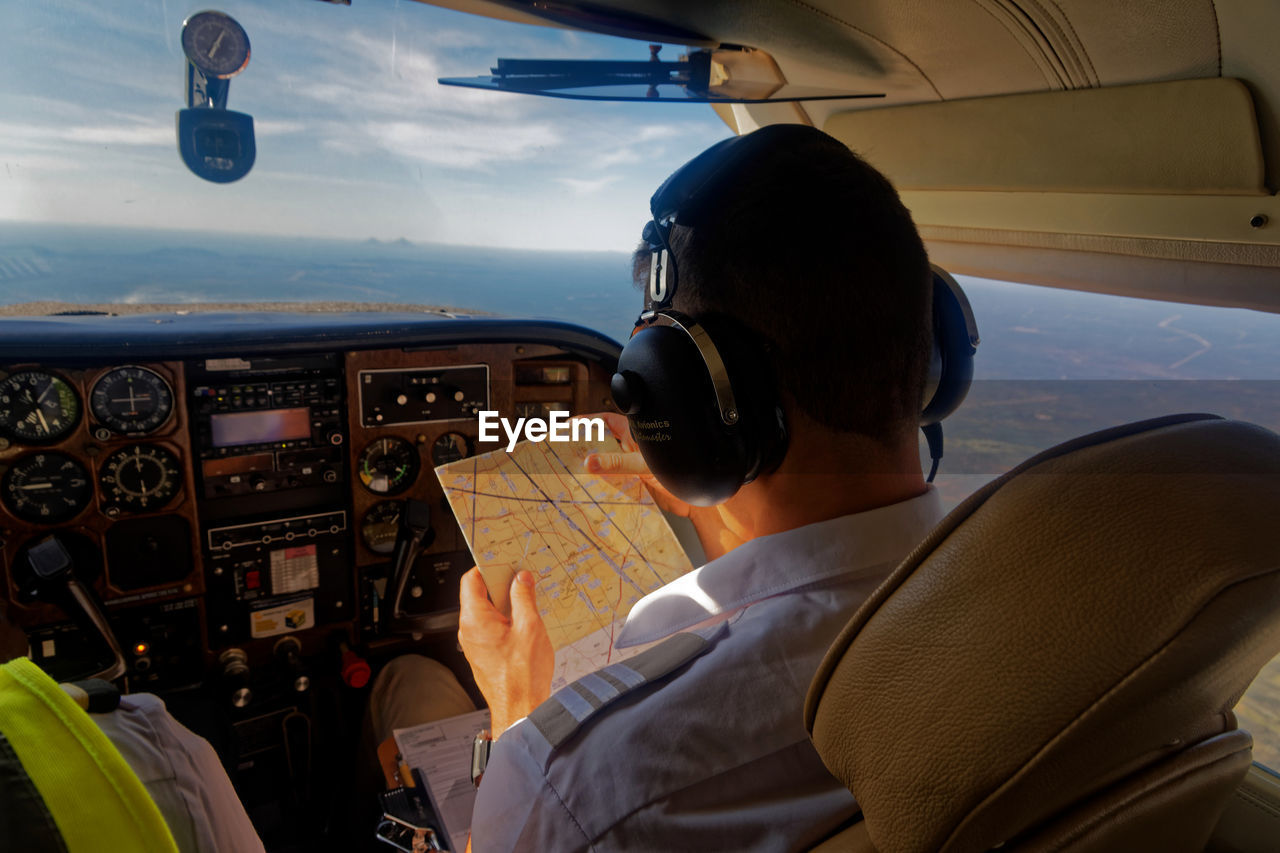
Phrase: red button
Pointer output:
(355, 671)
(252, 579)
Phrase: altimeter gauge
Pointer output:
(216, 44)
(45, 488)
(38, 407)
(131, 400)
(388, 466)
(139, 477)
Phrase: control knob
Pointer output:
(235, 677)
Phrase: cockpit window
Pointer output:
(365, 167)
(1054, 364)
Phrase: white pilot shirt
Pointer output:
(183, 775)
(699, 743)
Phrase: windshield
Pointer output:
(365, 166)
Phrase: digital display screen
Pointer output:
(238, 428)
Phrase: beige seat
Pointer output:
(1054, 668)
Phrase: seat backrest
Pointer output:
(1064, 646)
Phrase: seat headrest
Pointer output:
(1092, 611)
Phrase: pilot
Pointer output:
(805, 255)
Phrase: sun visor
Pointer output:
(726, 76)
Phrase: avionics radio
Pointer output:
(267, 424)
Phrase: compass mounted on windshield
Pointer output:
(215, 44)
(215, 143)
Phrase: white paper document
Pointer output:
(441, 751)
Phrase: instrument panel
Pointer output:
(215, 505)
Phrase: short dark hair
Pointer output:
(811, 249)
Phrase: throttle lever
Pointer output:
(53, 566)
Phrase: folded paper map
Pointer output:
(595, 545)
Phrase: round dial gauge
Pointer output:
(381, 526)
(37, 406)
(46, 488)
(140, 477)
(131, 400)
(216, 44)
(450, 447)
(388, 466)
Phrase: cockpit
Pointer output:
(261, 275)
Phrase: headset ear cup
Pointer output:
(664, 385)
(674, 418)
(763, 423)
(955, 342)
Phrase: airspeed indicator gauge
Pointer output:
(37, 407)
(216, 44)
(131, 400)
(139, 477)
(388, 466)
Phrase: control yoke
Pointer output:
(52, 564)
(415, 536)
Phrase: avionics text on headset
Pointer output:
(793, 339)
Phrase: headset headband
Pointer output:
(682, 199)
(662, 269)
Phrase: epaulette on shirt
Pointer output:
(559, 718)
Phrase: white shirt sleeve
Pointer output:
(183, 775)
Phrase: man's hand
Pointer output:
(716, 537)
(512, 659)
(630, 463)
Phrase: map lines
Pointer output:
(594, 545)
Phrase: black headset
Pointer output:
(700, 394)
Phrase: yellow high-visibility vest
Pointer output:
(62, 779)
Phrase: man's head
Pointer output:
(810, 249)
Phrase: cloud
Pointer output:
(649, 133)
(616, 157)
(42, 163)
(462, 144)
(268, 127)
(45, 136)
(587, 186)
(136, 134)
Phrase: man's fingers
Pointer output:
(524, 604)
(618, 425)
(617, 464)
(473, 598)
(471, 589)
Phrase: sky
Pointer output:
(354, 136)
